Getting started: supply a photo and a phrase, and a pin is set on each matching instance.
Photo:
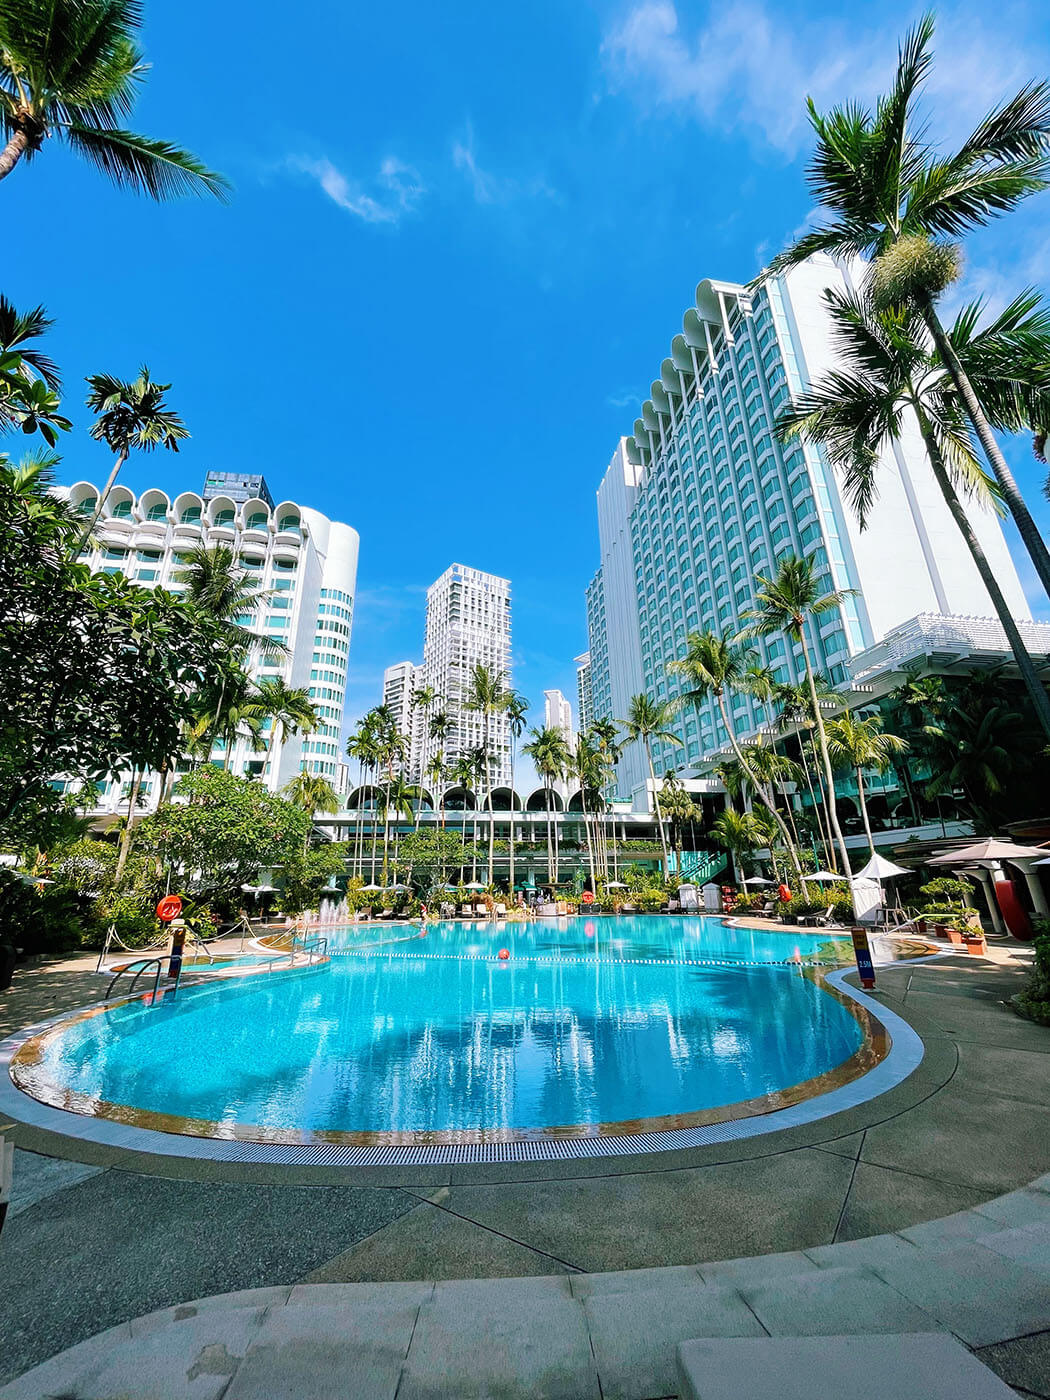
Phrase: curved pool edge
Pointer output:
(903, 1054)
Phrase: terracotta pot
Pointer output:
(957, 936)
(978, 946)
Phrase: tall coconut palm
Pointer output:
(795, 708)
(488, 696)
(606, 735)
(647, 722)
(786, 603)
(863, 743)
(739, 833)
(516, 710)
(462, 773)
(892, 196)
(886, 370)
(311, 793)
(550, 757)
(391, 751)
(712, 666)
(132, 417)
(71, 69)
(361, 745)
(289, 709)
(589, 765)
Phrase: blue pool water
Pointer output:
(590, 1021)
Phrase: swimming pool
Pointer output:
(591, 1026)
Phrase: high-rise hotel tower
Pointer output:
(467, 625)
(703, 495)
(305, 568)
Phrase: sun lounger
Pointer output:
(481, 910)
(465, 911)
(501, 911)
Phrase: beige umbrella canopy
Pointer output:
(988, 849)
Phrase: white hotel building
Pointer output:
(304, 564)
(703, 495)
(467, 625)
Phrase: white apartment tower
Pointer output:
(557, 714)
(584, 693)
(400, 682)
(467, 624)
(305, 567)
(704, 495)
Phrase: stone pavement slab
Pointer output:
(635, 1334)
(782, 1201)
(477, 1345)
(1028, 1245)
(1024, 1363)
(884, 1199)
(36, 1177)
(828, 1302)
(863, 1253)
(914, 1367)
(192, 1359)
(759, 1268)
(327, 1352)
(973, 1292)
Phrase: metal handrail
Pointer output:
(158, 963)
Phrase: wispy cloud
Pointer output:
(746, 68)
(624, 399)
(396, 189)
(488, 187)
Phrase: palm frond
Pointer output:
(951, 197)
(1016, 130)
(140, 163)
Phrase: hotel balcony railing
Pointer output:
(189, 529)
(221, 534)
(950, 638)
(253, 534)
(289, 538)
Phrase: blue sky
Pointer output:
(461, 240)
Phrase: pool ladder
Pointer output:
(139, 966)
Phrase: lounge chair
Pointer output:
(465, 911)
(481, 910)
(501, 911)
(447, 911)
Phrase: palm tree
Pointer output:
(488, 696)
(887, 368)
(738, 833)
(516, 710)
(311, 793)
(361, 745)
(786, 602)
(606, 735)
(550, 757)
(71, 69)
(589, 765)
(713, 665)
(391, 749)
(463, 774)
(796, 713)
(648, 721)
(681, 810)
(30, 383)
(132, 417)
(862, 743)
(892, 196)
(290, 711)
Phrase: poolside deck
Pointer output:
(126, 1234)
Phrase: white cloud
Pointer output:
(487, 187)
(398, 189)
(747, 69)
(624, 399)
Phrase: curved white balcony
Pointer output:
(154, 529)
(255, 535)
(221, 534)
(189, 531)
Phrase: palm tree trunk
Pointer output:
(13, 152)
(125, 840)
(1030, 536)
(1034, 686)
(816, 805)
(656, 800)
(550, 832)
(513, 799)
(864, 811)
(767, 796)
(100, 503)
(829, 776)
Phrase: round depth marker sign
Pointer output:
(169, 908)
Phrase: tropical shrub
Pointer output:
(1033, 1001)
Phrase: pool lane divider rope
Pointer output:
(640, 962)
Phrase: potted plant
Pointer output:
(974, 941)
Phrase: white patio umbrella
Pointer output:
(879, 868)
(823, 877)
(757, 880)
(988, 849)
(474, 885)
(372, 889)
(616, 885)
